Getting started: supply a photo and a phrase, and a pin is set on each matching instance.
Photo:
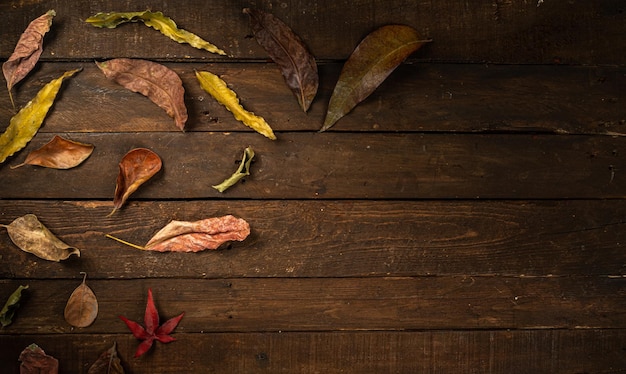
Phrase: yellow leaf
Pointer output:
(25, 124)
(217, 88)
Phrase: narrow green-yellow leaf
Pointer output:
(242, 171)
(217, 88)
(156, 20)
(25, 124)
(13, 302)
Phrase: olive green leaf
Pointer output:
(32, 236)
(13, 302)
(371, 62)
(156, 20)
(25, 124)
(242, 171)
(217, 88)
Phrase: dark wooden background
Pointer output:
(468, 217)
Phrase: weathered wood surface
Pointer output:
(335, 238)
(464, 218)
(500, 351)
(584, 32)
(415, 98)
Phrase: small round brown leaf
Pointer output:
(82, 307)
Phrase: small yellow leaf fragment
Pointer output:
(217, 88)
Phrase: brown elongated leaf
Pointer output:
(32, 236)
(368, 66)
(185, 236)
(25, 124)
(155, 81)
(217, 88)
(289, 52)
(35, 361)
(82, 306)
(59, 153)
(136, 167)
(27, 51)
(108, 363)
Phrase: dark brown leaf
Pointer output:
(59, 153)
(35, 361)
(370, 64)
(296, 63)
(27, 51)
(155, 81)
(31, 236)
(136, 167)
(82, 306)
(108, 363)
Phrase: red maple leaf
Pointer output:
(152, 331)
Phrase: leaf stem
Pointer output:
(125, 242)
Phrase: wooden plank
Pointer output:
(486, 30)
(531, 351)
(334, 239)
(419, 97)
(339, 165)
(334, 304)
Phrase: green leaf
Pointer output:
(25, 124)
(242, 171)
(156, 20)
(368, 66)
(13, 302)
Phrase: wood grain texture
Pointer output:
(334, 304)
(335, 238)
(537, 351)
(339, 165)
(415, 98)
(480, 31)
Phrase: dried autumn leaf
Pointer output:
(11, 306)
(368, 66)
(136, 167)
(242, 171)
(27, 51)
(58, 153)
(25, 124)
(217, 88)
(32, 236)
(35, 361)
(156, 20)
(296, 63)
(155, 81)
(108, 363)
(184, 236)
(82, 306)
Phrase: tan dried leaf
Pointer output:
(59, 153)
(82, 306)
(108, 363)
(32, 236)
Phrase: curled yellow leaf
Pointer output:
(217, 88)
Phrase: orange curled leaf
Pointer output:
(136, 167)
(27, 51)
(184, 236)
(59, 153)
(155, 81)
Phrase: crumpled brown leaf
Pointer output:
(82, 306)
(32, 236)
(27, 51)
(35, 361)
(136, 167)
(368, 66)
(289, 52)
(185, 236)
(155, 81)
(58, 153)
(108, 363)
